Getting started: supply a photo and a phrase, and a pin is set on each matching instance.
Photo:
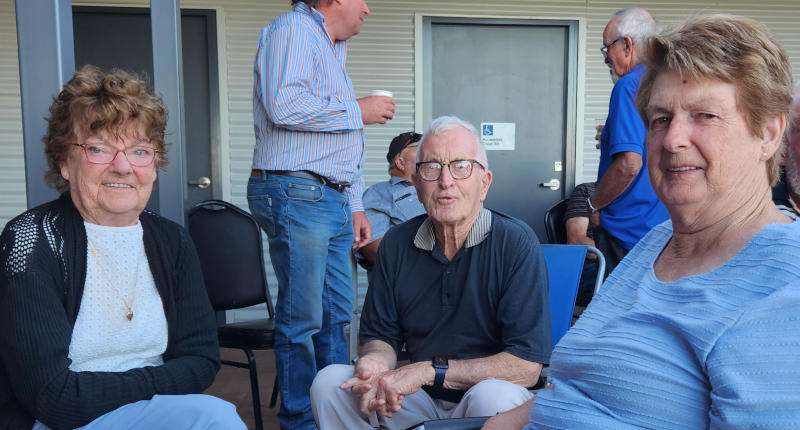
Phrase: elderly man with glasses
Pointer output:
(627, 205)
(462, 288)
(395, 201)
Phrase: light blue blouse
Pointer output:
(717, 350)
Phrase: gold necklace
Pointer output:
(102, 270)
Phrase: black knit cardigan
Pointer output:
(42, 272)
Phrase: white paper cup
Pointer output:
(382, 93)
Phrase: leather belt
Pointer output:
(305, 174)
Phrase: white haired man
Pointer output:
(624, 197)
(463, 288)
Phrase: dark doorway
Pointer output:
(117, 37)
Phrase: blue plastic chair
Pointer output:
(564, 268)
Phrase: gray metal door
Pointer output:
(511, 71)
(129, 47)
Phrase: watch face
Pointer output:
(440, 361)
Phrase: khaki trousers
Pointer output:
(337, 409)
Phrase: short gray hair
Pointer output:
(726, 48)
(636, 23)
(446, 123)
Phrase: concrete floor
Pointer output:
(233, 385)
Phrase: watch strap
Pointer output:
(440, 365)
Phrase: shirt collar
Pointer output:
(426, 238)
(302, 7)
(396, 180)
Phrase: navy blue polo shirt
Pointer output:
(492, 296)
(637, 209)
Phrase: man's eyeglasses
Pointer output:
(139, 156)
(605, 48)
(459, 169)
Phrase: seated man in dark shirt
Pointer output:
(462, 287)
(580, 232)
(576, 218)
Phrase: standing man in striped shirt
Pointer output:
(306, 185)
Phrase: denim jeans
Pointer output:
(310, 233)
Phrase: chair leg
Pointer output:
(251, 360)
(274, 398)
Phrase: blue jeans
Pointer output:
(310, 233)
(183, 412)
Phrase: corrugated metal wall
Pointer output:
(12, 167)
(381, 57)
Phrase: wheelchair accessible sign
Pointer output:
(498, 136)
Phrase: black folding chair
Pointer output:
(554, 223)
(228, 241)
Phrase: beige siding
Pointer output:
(382, 56)
(12, 168)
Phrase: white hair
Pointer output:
(636, 23)
(446, 123)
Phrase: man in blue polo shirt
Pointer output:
(463, 288)
(626, 201)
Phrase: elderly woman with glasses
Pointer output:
(698, 327)
(104, 318)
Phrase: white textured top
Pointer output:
(118, 280)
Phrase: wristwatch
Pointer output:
(440, 365)
(591, 207)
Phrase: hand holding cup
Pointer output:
(377, 108)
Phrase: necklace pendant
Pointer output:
(129, 315)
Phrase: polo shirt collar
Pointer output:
(426, 238)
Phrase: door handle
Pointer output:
(553, 184)
(201, 182)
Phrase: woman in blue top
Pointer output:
(698, 327)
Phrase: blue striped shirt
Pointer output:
(716, 350)
(305, 111)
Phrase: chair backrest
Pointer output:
(564, 268)
(554, 222)
(228, 241)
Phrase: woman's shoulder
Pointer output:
(26, 234)
(779, 242)
(36, 215)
